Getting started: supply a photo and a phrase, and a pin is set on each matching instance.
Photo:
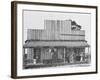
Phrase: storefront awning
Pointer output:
(55, 44)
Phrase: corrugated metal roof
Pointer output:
(56, 44)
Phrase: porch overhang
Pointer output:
(29, 44)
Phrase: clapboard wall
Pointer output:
(56, 30)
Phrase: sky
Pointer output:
(35, 20)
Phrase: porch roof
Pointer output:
(55, 44)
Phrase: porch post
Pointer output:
(64, 54)
(33, 55)
(23, 53)
(23, 57)
(88, 54)
(41, 55)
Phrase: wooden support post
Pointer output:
(41, 55)
(23, 57)
(89, 54)
(64, 54)
(32, 55)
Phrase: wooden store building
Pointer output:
(61, 41)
